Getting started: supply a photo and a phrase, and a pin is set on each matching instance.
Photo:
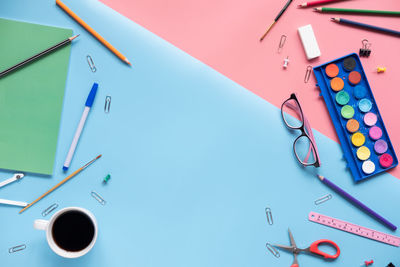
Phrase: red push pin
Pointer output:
(367, 263)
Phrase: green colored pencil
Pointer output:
(357, 11)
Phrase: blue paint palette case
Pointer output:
(356, 117)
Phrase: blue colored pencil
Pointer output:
(366, 26)
(356, 202)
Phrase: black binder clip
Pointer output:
(365, 51)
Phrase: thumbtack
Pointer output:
(108, 177)
(380, 69)
(368, 263)
(285, 62)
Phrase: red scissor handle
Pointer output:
(314, 248)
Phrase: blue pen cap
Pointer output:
(92, 94)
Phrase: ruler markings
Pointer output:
(354, 229)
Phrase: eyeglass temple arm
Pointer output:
(309, 130)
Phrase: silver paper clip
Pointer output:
(96, 196)
(107, 104)
(91, 63)
(323, 199)
(282, 43)
(273, 250)
(49, 209)
(17, 248)
(269, 216)
(308, 74)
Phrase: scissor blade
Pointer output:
(292, 242)
(287, 248)
(15, 177)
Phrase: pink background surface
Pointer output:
(225, 34)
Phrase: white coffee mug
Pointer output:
(48, 227)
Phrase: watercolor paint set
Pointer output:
(356, 117)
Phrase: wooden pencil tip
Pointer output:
(266, 32)
(127, 62)
(73, 37)
(320, 177)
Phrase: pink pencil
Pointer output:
(318, 2)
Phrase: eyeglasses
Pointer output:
(304, 146)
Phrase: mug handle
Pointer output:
(40, 224)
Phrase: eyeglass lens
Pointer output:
(304, 150)
(292, 114)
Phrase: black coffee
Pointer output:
(73, 231)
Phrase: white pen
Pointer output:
(88, 105)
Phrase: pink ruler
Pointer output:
(354, 229)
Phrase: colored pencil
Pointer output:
(93, 32)
(60, 183)
(320, 2)
(276, 19)
(366, 26)
(356, 202)
(357, 11)
(38, 55)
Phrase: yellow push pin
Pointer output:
(381, 69)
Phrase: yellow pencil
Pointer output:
(93, 32)
(60, 183)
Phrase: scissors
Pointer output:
(312, 249)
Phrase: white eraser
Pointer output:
(309, 41)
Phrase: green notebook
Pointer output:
(31, 97)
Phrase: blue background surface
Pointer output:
(194, 159)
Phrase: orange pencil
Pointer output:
(93, 32)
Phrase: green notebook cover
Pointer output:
(31, 97)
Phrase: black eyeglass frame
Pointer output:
(303, 133)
